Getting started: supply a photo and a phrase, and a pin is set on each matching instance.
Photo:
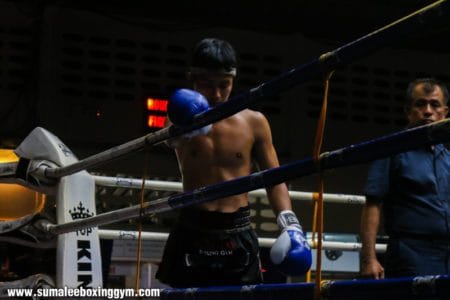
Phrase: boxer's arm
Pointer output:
(266, 157)
(176, 141)
(290, 252)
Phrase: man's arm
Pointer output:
(266, 157)
(176, 141)
(290, 252)
(370, 221)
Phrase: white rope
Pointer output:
(263, 242)
(173, 186)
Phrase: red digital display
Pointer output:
(157, 104)
(156, 112)
(156, 121)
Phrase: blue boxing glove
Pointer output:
(183, 105)
(291, 252)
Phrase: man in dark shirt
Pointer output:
(413, 191)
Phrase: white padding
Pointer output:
(41, 144)
(78, 253)
(280, 248)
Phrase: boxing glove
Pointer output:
(183, 105)
(291, 252)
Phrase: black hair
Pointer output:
(214, 54)
(429, 85)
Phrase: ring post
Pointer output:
(78, 260)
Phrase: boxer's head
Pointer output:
(213, 69)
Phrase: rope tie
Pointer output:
(141, 216)
(317, 226)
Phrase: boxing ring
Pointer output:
(47, 165)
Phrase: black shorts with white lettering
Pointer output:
(211, 249)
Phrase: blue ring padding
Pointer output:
(433, 287)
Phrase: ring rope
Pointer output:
(262, 241)
(428, 134)
(175, 186)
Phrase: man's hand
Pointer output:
(371, 268)
(370, 221)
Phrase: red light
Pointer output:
(157, 104)
(156, 112)
(156, 121)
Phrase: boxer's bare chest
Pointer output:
(228, 145)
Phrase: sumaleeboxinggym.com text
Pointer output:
(82, 292)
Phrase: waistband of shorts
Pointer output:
(213, 220)
(421, 236)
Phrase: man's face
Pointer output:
(426, 107)
(215, 87)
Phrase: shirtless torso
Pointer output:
(227, 152)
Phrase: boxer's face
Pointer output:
(215, 87)
(426, 107)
